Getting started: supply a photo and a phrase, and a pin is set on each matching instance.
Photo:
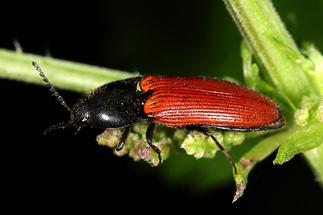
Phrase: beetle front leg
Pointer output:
(123, 138)
(149, 138)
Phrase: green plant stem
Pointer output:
(314, 158)
(66, 75)
(281, 62)
(272, 46)
(264, 148)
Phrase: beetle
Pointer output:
(180, 102)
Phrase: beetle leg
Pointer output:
(149, 138)
(222, 149)
(207, 133)
(123, 138)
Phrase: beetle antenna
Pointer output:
(59, 126)
(51, 88)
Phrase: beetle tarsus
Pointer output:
(123, 138)
(149, 138)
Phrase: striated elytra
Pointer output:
(206, 102)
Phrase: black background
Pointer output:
(60, 171)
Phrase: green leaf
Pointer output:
(301, 141)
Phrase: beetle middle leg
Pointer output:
(149, 138)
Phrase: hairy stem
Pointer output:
(282, 66)
(314, 158)
(272, 46)
(63, 74)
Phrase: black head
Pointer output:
(112, 105)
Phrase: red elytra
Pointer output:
(187, 101)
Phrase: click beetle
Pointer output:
(179, 102)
